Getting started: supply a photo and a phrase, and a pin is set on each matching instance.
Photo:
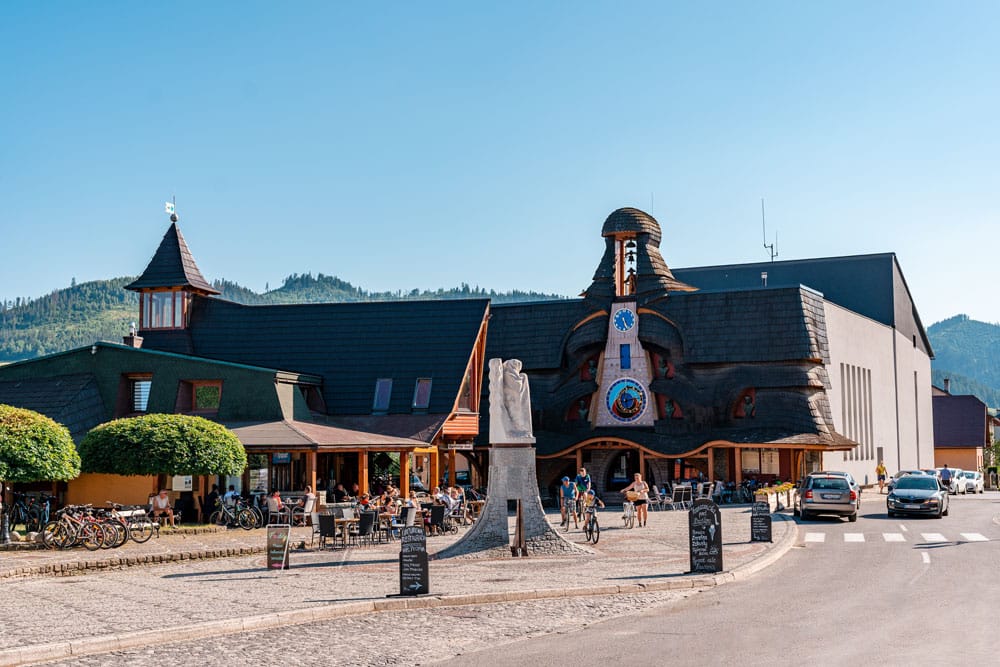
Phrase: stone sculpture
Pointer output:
(510, 403)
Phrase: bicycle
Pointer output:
(233, 516)
(570, 506)
(628, 513)
(590, 525)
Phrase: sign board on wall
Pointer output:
(281, 457)
(182, 483)
(258, 480)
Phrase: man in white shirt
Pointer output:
(161, 506)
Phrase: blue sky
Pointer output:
(406, 145)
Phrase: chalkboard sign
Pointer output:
(277, 546)
(760, 523)
(414, 573)
(705, 536)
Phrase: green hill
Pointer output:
(968, 353)
(102, 310)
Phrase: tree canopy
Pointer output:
(163, 444)
(34, 448)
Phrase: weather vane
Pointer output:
(171, 208)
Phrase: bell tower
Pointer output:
(631, 274)
(169, 283)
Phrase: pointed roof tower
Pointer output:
(172, 266)
(632, 264)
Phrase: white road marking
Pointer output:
(926, 556)
(893, 537)
(933, 537)
(975, 537)
(815, 537)
(904, 528)
(854, 537)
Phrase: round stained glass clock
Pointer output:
(626, 400)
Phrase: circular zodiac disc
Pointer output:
(626, 400)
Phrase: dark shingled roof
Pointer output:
(71, 400)
(632, 220)
(870, 285)
(959, 421)
(350, 345)
(172, 266)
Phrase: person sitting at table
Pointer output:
(365, 502)
(339, 493)
(439, 494)
(392, 491)
(274, 506)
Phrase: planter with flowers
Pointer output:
(777, 497)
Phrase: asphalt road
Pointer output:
(914, 591)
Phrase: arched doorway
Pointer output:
(621, 468)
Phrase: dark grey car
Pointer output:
(918, 494)
(827, 494)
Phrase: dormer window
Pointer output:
(164, 309)
(206, 396)
(422, 394)
(383, 392)
(139, 387)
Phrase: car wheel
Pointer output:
(804, 514)
(944, 512)
(891, 514)
(852, 517)
(795, 512)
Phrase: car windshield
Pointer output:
(917, 482)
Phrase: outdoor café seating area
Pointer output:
(349, 524)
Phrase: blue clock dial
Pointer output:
(624, 319)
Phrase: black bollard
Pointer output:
(4, 530)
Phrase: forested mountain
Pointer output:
(102, 310)
(968, 353)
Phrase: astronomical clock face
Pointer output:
(626, 400)
(624, 319)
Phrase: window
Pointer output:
(139, 393)
(206, 396)
(625, 356)
(383, 392)
(465, 393)
(163, 310)
(422, 394)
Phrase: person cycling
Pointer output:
(583, 483)
(567, 497)
(590, 503)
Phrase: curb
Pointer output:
(119, 642)
(77, 567)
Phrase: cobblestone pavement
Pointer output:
(43, 610)
(392, 638)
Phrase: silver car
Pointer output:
(820, 493)
(973, 480)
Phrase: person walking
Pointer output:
(639, 487)
(946, 478)
(880, 474)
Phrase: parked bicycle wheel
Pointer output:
(217, 518)
(246, 519)
(58, 535)
(140, 531)
(110, 535)
(92, 535)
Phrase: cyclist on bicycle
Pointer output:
(583, 484)
(567, 498)
(591, 502)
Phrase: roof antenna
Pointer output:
(772, 249)
(171, 208)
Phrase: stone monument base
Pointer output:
(512, 477)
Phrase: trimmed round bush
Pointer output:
(34, 448)
(163, 444)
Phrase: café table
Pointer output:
(476, 507)
(344, 525)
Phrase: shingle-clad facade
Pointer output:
(741, 383)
